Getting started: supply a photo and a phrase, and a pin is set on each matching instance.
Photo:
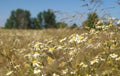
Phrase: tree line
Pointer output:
(21, 19)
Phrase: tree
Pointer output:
(47, 18)
(35, 23)
(91, 21)
(27, 19)
(19, 19)
(11, 22)
(23, 19)
(40, 19)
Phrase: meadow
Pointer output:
(60, 52)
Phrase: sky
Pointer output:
(68, 7)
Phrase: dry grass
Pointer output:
(60, 52)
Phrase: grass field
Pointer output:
(60, 52)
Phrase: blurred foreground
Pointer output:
(60, 52)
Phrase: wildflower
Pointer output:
(49, 59)
(51, 49)
(80, 37)
(70, 59)
(83, 65)
(36, 54)
(36, 47)
(94, 61)
(113, 55)
(17, 66)
(54, 74)
(43, 75)
(27, 55)
(112, 46)
(9, 73)
(92, 31)
(65, 71)
(35, 63)
(59, 47)
(72, 72)
(102, 59)
(117, 58)
(36, 71)
(72, 39)
(88, 75)
(77, 38)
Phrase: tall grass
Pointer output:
(60, 52)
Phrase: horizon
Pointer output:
(69, 8)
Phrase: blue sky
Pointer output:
(69, 6)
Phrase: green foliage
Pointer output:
(91, 21)
(19, 19)
(11, 22)
(35, 23)
(39, 17)
(47, 18)
(23, 19)
(61, 25)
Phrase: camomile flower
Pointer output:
(92, 31)
(94, 61)
(83, 65)
(65, 71)
(51, 49)
(54, 74)
(49, 59)
(59, 48)
(35, 63)
(17, 66)
(72, 72)
(117, 58)
(36, 54)
(88, 75)
(36, 71)
(113, 55)
(36, 47)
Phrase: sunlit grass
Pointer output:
(60, 52)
